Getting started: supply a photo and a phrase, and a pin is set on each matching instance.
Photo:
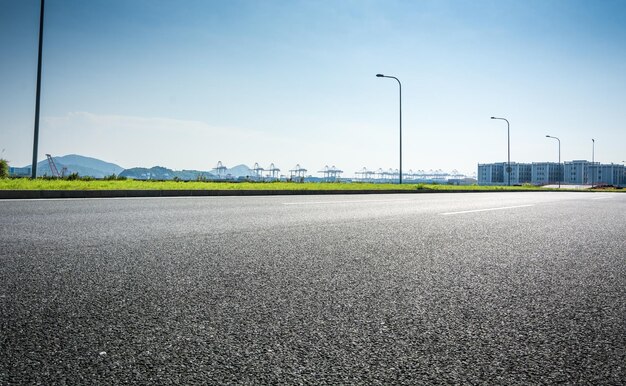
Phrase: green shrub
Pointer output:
(113, 177)
(4, 168)
(76, 177)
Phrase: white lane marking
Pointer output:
(340, 202)
(486, 210)
(602, 198)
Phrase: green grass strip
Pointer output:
(50, 184)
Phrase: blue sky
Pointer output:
(184, 84)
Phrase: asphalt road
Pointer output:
(482, 288)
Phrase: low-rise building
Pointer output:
(585, 172)
(606, 174)
(491, 174)
(20, 172)
(576, 172)
(495, 173)
(521, 173)
(544, 173)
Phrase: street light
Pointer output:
(38, 96)
(559, 169)
(399, 84)
(593, 155)
(508, 134)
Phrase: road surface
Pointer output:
(478, 288)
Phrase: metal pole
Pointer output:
(400, 90)
(38, 95)
(508, 135)
(559, 169)
(508, 140)
(593, 154)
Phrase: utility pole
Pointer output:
(400, 93)
(508, 141)
(38, 95)
(593, 156)
(559, 168)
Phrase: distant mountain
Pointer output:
(240, 171)
(162, 173)
(189, 175)
(93, 167)
(84, 166)
(154, 173)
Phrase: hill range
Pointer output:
(93, 167)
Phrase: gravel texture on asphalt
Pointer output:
(315, 290)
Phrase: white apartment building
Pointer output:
(544, 173)
(606, 174)
(576, 172)
(491, 174)
(521, 173)
(495, 174)
(585, 172)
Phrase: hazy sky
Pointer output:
(184, 84)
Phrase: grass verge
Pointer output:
(46, 184)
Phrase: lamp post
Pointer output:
(593, 154)
(38, 96)
(400, 89)
(508, 134)
(559, 169)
